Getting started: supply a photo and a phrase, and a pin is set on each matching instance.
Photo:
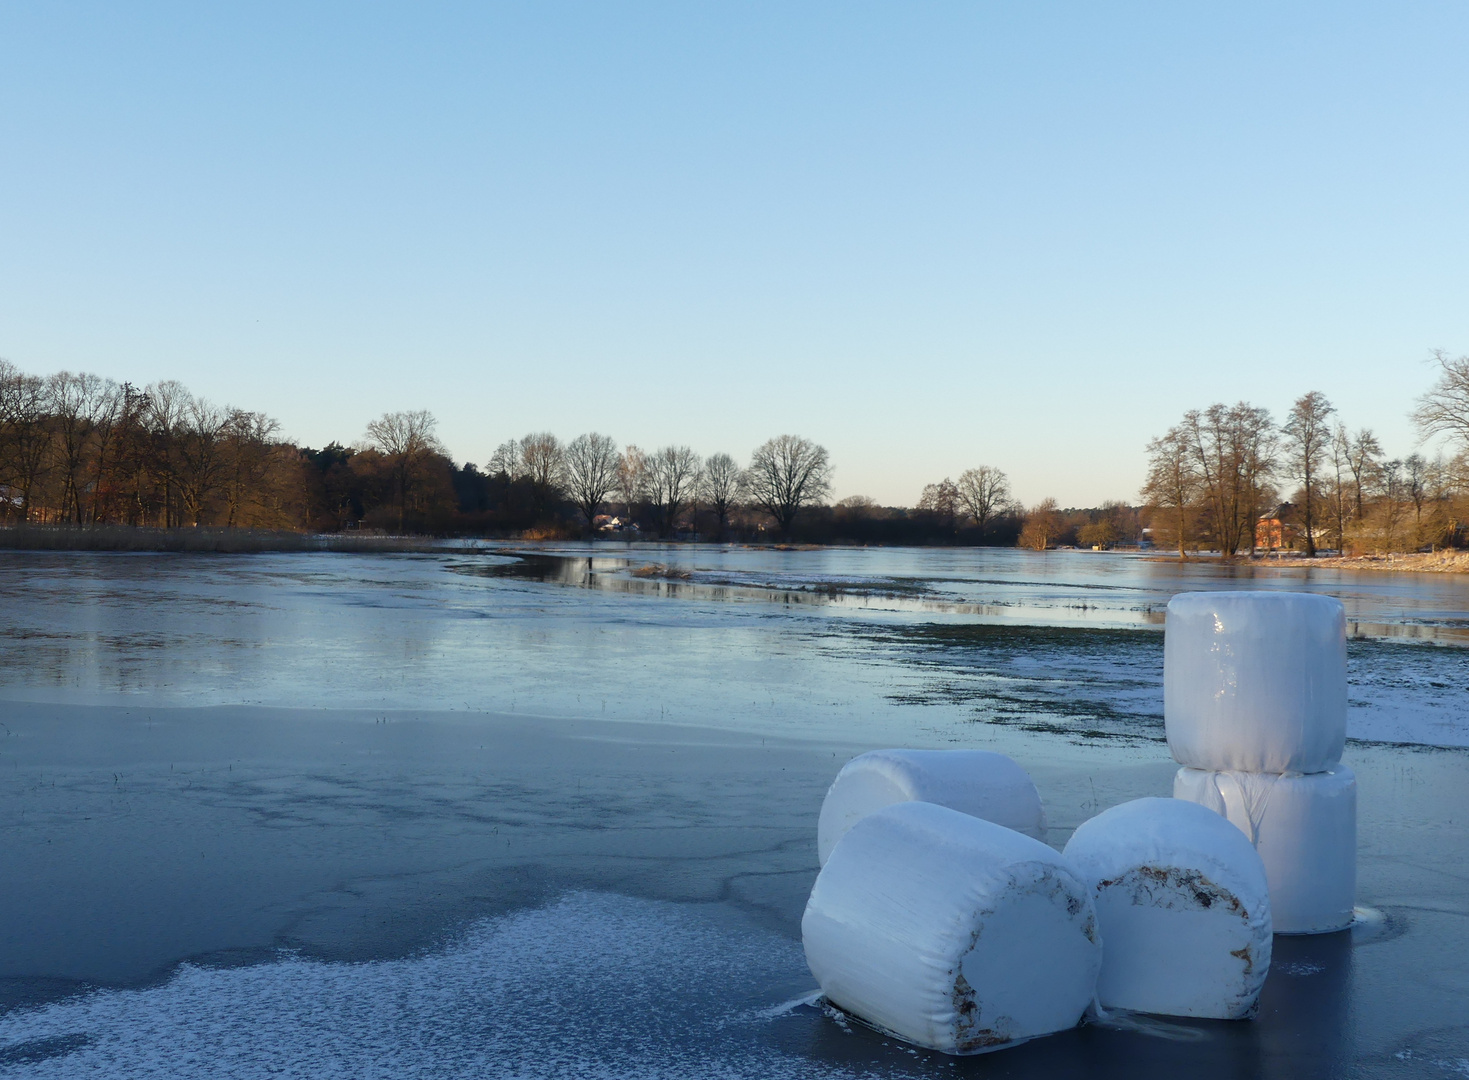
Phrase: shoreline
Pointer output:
(1415, 562)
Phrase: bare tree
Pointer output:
(723, 484)
(1363, 454)
(591, 472)
(1261, 444)
(9, 377)
(168, 403)
(110, 414)
(135, 457)
(31, 436)
(1042, 525)
(407, 441)
(506, 460)
(201, 456)
(25, 436)
(543, 463)
(1391, 499)
(1418, 476)
(74, 402)
(1173, 484)
(941, 500)
(248, 441)
(632, 480)
(1338, 456)
(1307, 435)
(673, 480)
(1234, 451)
(786, 474)
(984, 493)
(1444, 410)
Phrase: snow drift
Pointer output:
(1255, 681)
(1183, 907)
(1305, 829)
(977, 782)
(951, 932)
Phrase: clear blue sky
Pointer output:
(928, 236)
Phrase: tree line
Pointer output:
(1217, 474)
(82, 450)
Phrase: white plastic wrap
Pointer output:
(977, 782)
(1183, 907)
(1255, 681)
(1305, 829)
(951, 932)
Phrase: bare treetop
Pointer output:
(673, 482)
(632, 477)
(1444, 410)
(407, 441)
(398, 433)
(591, 472)
(1307, 432)
(723, 483)
(983, 493)
(787, 473)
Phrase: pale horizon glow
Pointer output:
(927, 238)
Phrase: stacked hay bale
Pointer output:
(1255, 701)
(940, 916)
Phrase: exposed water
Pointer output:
(361, 815)
(808, 643)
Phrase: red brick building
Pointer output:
(1277, 529)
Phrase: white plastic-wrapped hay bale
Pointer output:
(951, 932)
(977, 782)
(1255, 681)
(1183, 907)
(1305, 829)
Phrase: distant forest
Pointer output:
(80, 450)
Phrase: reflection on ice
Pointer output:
(1055, 589)
(817, 643)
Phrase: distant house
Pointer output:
(1278, 530)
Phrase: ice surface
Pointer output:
(978, 782)
(1255, 681)
(950, 931)
(442, 632)
(1305, 829)
(1183, 906)
(594, 986)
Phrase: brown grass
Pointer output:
(652, 570)
(1418, 562)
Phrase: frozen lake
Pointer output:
(887, 643)
(473, 814)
